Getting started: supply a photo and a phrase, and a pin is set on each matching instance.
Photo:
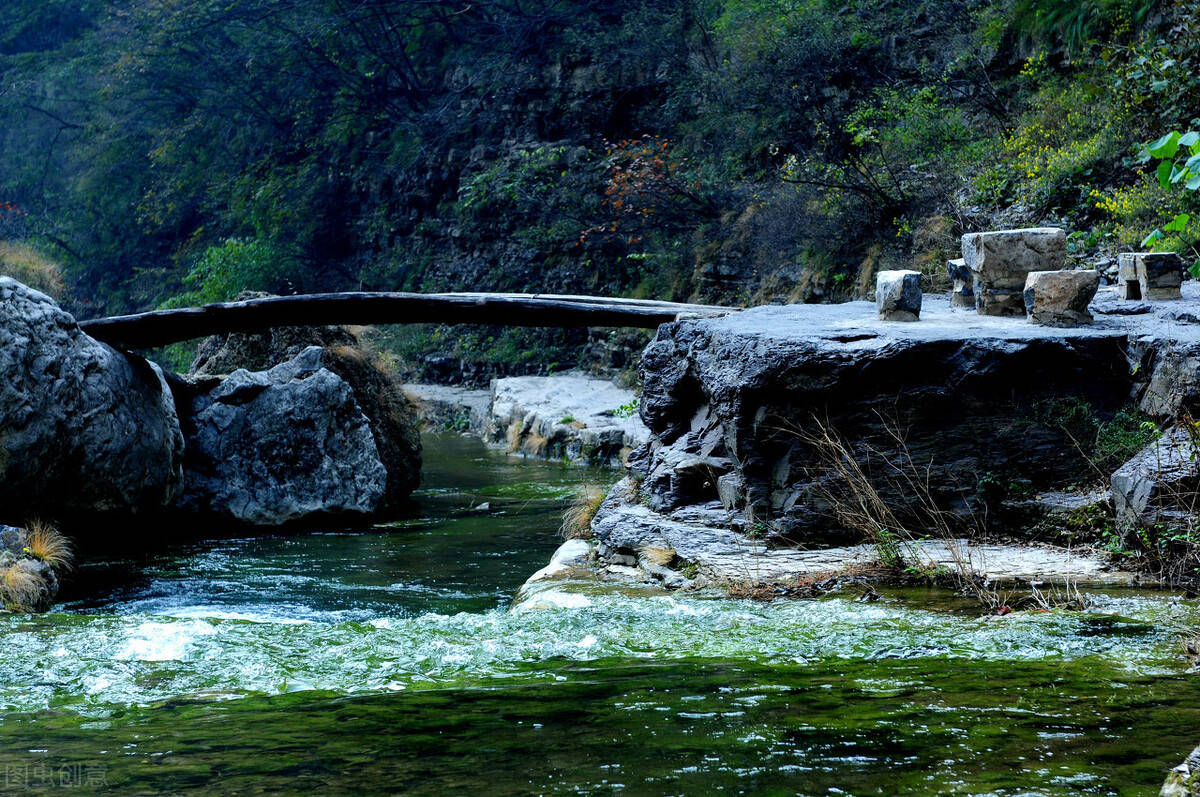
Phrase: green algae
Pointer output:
(393, 661)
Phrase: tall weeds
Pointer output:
(858, 502)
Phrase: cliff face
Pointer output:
(757, 417)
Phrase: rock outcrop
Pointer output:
(83, 428)
(391, 415)
(753, 415)
(568, 416)
(1161, 484)
(273, 447)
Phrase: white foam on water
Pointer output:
(163, 641)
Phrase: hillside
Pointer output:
(737, 151)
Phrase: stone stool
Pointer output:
(1060, 298)
(1149, 275)
(1000, 261)
(963, 292)
(898, 295)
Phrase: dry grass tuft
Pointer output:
(577, 520)
(29, 266)
(663, 557)
(47, 544)
(536, 444)
(21, 589)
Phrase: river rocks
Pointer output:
(1184, 780)
(380, 396)
(898, 295)
(280, 446)
(962, 294)
(633, 542)
(1060, 298)
(1151, 276)
(1160, 484)
(83, 428)
(568, 416)
(451, 408)
(1000, 262)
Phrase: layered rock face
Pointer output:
(773, 426)
(83, 427)
(272, 447)
(735, 405)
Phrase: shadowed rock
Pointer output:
(273, 447)
(83, 428)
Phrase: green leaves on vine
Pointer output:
(1178, 156)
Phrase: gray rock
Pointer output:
(1152, 276)
(1184, 779)
(730, 490)
(378, 393)
(568, 415)
(451, 408)
(1170, 375)
(83, 428)
(1060, 298)
(624, 528)
(1158, 483)
(1001, 260)
(898, 295)
(279, 446)
(681, 476)
(962, 294)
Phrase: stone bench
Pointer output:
(963, 292)
(1149, 275)
(898, 295)
(1060, 298)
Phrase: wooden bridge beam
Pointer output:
(161, 327)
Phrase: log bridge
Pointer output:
(162, 327)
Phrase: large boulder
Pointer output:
(738, 407)
(273, 447)
(83, 428)
(392, 416)
(1160, 483)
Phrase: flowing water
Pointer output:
(395, 661)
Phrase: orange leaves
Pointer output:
(646, 187)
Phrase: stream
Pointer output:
(394, 660)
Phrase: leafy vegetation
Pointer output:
(719, 150)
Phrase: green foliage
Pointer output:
(1073, 25)
(627, 410)
(1178, 156)
(1107, 443)
(230, 268)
